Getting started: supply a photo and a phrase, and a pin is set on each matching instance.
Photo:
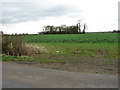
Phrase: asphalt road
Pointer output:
(24, 76)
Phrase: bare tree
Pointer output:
(84, 27)
(79, 25)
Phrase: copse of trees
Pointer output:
(116, 31)
(63, 29)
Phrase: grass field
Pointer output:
(90, 44)
(92, 51)
(76, 38)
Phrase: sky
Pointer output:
(29, 16)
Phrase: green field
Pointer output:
(76, 38)
(96, 50)
(90, 44)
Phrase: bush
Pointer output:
(14, 45)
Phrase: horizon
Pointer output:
(117, 31)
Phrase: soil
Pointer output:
(78, 67)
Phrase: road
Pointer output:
(24, 76)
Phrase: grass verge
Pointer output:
(93, 57)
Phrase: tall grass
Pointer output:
(15, 45)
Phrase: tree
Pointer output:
(79, 25)
(63, 29)
(84, 27)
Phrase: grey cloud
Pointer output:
(14, 12)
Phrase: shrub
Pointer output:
(14, 45)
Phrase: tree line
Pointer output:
(79, 28)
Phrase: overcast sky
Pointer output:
(25, 16)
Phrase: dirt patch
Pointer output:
(90, 66)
